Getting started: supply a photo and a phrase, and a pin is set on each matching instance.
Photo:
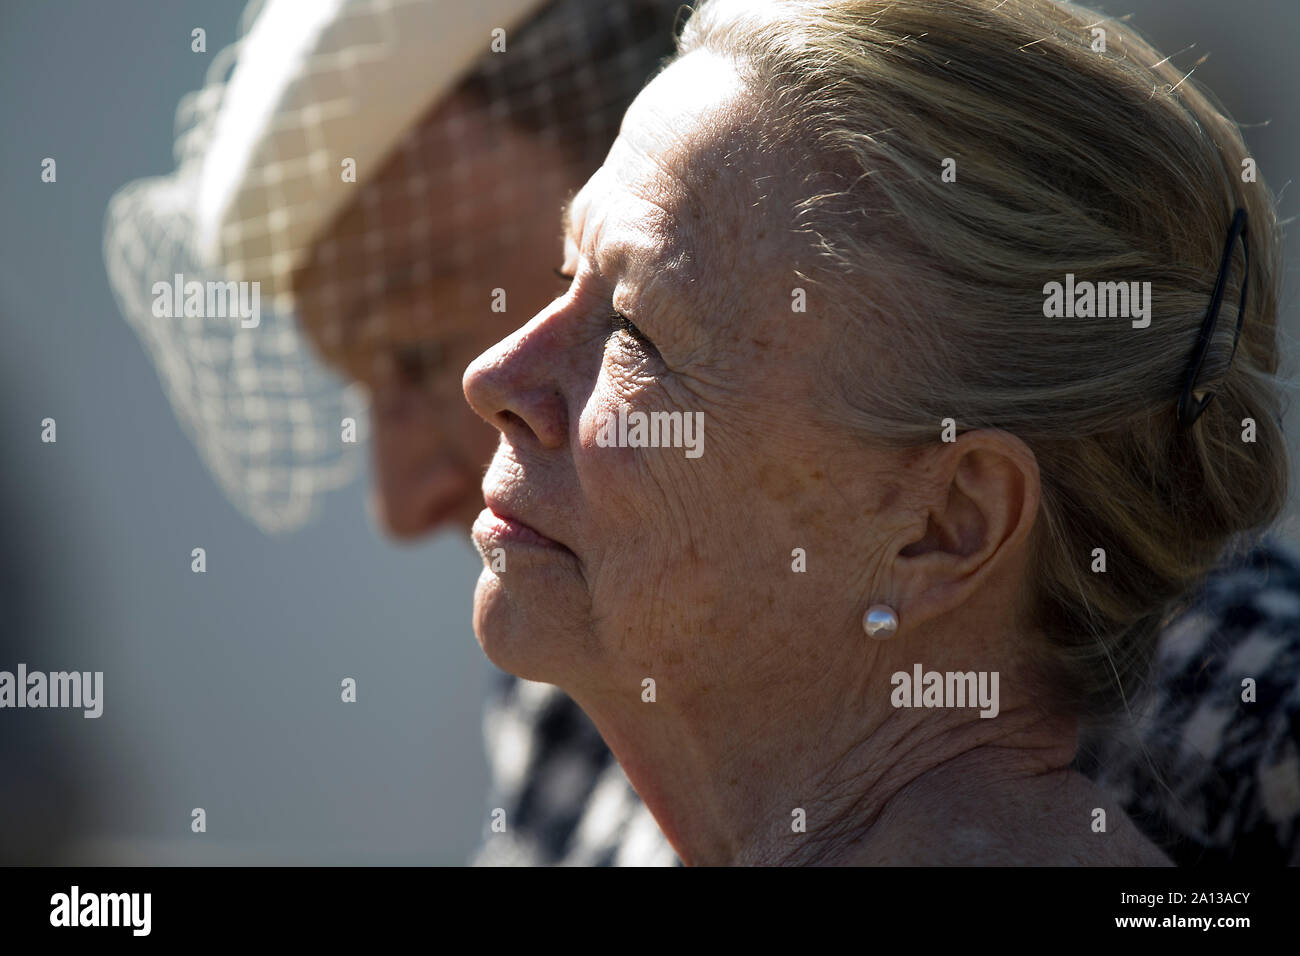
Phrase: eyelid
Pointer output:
(619, 321)
(623, 324)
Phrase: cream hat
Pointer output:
(259, 152)
(318, 83)
(308, 93)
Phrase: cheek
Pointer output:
(613, 479)
(668, 551)
(626, 474)
(795, 495)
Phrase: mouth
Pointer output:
(496, 527)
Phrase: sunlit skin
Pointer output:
(397, 295)
(648, 564)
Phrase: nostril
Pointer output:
(510, 420)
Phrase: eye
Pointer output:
(617, 320)
(418, 363)
(567, 279)
(620, 323)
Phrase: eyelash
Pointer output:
(618, 321)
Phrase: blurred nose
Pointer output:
(419, 483)
(515, 386)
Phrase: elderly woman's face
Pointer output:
(608, 561)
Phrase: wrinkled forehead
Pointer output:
(681, 177)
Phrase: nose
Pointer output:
(418, 483)
(515, 385)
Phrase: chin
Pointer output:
(526, 634)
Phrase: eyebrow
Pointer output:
(650, 275)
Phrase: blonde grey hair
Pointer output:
(1108, 165)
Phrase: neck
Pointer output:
(755, 782)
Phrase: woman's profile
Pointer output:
(974, 319)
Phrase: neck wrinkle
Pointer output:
(905, 768)
(717, 808)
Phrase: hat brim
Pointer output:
(321, 94)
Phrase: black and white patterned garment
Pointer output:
(567, 800)
(1209, 777)
(1219, 781)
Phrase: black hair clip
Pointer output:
(1189, 407)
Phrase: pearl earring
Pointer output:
(880, 622)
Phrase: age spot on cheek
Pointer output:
(784, 481)
(776, 483)
(890, 497)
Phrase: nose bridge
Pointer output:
(520, 379)
(535, 345)
(514, 360)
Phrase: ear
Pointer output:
(976, 524)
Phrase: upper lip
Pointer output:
(503, 510)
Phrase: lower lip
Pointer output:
(490, 528)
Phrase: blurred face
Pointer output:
(623, 561)
(399, 295)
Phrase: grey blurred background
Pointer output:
(222, 689)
